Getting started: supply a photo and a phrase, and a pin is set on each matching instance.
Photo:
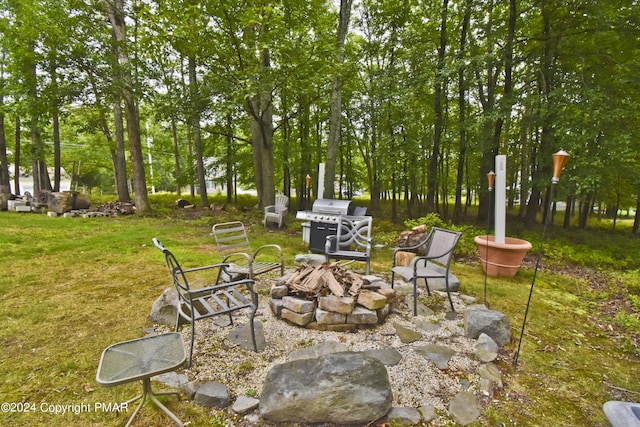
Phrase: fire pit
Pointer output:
(330, 297)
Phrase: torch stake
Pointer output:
(535, 271)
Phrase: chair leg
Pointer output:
(193, 338)
(426, 285)
(446, 284)
(392, 277)
(415, 296)
(253, 333)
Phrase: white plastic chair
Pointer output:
(277, 212)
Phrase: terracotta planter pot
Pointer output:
(504, 259)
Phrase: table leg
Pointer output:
(142, 398)
(147, 390)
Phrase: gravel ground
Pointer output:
(415, 381)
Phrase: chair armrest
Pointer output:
(272, 246)
(327, 243)
(248, 283)
(230, 258)
(206, 267)
(425, 258)
(270, 208)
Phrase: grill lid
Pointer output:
(332, 206)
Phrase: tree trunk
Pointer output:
(116, 18)
(197, 136)
(462, 148)
(57, 164)
(432, 173)
(304, 202)
(5, 189)
(16, 161)
(230, 153)
(119, 158)
(636, 220)
(260, 109)
(335, 118)
(176, 155)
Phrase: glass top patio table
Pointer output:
(140, 358)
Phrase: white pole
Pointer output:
(501, 197)
(320, 194)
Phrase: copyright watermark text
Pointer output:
(58, 409)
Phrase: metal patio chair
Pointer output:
(235, 249)
(212, 300)
(352, 240)
(438, 249)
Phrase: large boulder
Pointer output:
(479, 320)
(340, 388)
(164, 310)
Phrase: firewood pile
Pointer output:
(412, 237)
(117, 208)
(329, 278)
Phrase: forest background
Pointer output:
(407, 101)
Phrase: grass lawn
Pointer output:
(71, 287)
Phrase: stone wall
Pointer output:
(334, 313)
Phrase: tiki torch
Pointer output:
(560, 159)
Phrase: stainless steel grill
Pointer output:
(324, 217)
(326, 210)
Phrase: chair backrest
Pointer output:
(179, 278)
(281, 203)
(360, 211)
(231, 237)
(440, 245)
(353, 230)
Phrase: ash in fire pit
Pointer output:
(331, 297)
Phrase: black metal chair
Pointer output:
(352, 240)
(211, 300)
(438, 249)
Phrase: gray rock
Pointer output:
(428, 412)
(362, 316)
(490, 372)
(318, 350)
(486, 349)
(191, 388)
(406, 335)
(213, 394)
(388, 356)
(172, 379)
(276, 306)
(244, 404)
(340, 388)
(438, 354)
(425, 324)
(324, 317)
(279, 291)
(404, 416)
(165, 309)
(479, 320)
(465, 408)
(300, 319)
(311, 260)
(423, 310)
(374, 279)
(468, 299)
(241, 336)
(298, 305)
